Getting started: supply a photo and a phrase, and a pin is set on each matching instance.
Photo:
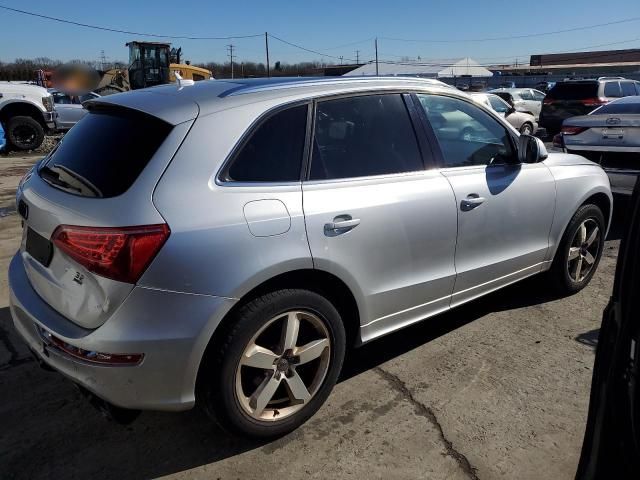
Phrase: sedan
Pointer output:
(69, 107)
(610, 135)
(524, 122)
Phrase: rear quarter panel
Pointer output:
(211, 249)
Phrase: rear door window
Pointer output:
(574, 91)
(364, 136)
(525, 95)
(628, 89)
(104, 153)
(612, 89)
(273, 152)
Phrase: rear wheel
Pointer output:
(276, 365)
(24, 133)
(580, 250)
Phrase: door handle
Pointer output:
(472, 201)
(341, 224)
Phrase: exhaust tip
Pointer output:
(119, 415)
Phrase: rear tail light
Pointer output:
(594, 102)
(121, 254)
(569, 130)
(548, 101)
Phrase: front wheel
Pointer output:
(24, 133)
(277, 363)
(579, 253)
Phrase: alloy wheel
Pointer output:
(283, 366)
(584, 250)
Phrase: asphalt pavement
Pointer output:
(496, 389)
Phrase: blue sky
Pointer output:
(323, 26)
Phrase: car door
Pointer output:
(375, 217)
(505, 209)
(536, 105)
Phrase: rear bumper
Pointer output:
(171, 329)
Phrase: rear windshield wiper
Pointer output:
(67, 179)
(53, 178)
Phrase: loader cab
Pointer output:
(148, 64)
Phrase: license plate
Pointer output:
(39, 247)
(613, 133)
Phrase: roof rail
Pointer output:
(312, 82)
(611, 78)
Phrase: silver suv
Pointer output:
(224, 243)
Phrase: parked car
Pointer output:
(69, 107)
(523, 99)
(611, 446)
(610, 136)
(579, 97)
(229, 256)
(27, 113)
(525, 123)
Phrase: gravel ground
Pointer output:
(496, 389)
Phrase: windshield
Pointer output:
(618, 108)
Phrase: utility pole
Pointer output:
(376, 56)
(341, 57)
(103, 60)
(266, 44)
(231, 47)
(357, 56)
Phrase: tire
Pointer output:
(526, 129)
(563, 273)
(227, 388)
(24, 133)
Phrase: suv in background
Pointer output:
(580, 97)
(27, 112)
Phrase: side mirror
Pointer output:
(531, 149)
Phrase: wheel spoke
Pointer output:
(582, 234)
(574, 252)
(290, 331)
(297, 388)
(263, 394)
(311, 350)
(578, 271)
(593, 236)
(589, 258)
(258, 357)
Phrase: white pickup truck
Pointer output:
(27, 113)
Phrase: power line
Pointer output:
(128, 32)
(512, 37)
(305, 49)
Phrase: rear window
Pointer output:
(618, 108)
(574, 91)
(104, 153)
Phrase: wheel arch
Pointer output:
(599, 197)
(21, 108)
(315, 280)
